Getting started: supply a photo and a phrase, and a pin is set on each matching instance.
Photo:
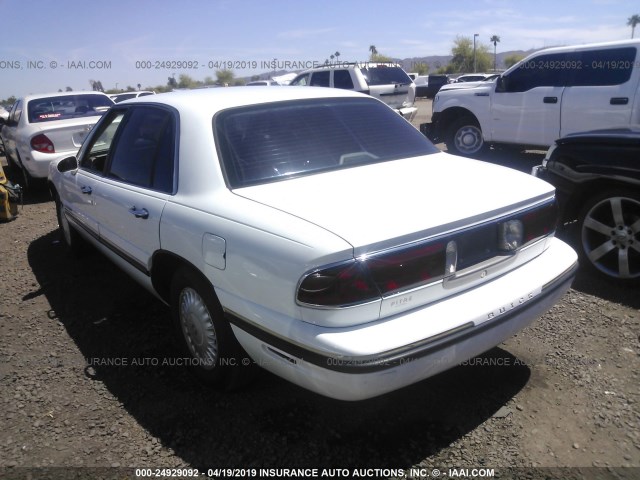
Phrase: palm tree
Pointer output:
(373, 50)
(332, 57)
(494, 39)
(337, 54)
(632, 22)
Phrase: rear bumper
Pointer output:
(37, 163)
(355, 363)
(408, 112)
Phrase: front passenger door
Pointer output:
(139, 178)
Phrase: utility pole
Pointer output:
(475, 63)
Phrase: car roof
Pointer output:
(36, 96)
(212, 100)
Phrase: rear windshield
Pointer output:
(67, 106)
(264, 143)
(383, 75)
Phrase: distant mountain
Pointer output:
(436, 61)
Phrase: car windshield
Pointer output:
(67, 106)
(384, 75)
(264, 143)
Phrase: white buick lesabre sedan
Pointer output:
(316, 231)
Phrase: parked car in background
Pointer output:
(243, 234)
(548, 95)
(385, 81)
(459, 85)
(434, 84)
(121, 97)
(422, 83)
(474, 77)
(4, 113)
(47, 127)
(597, 178)
(263, 83)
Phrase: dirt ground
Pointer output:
(87, 388)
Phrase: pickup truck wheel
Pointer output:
(610, 235)
(465, 137)
(69, 236)
(204, 336)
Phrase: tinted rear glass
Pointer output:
(262, 143)
(67, 106)
(385, 75)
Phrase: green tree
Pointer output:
(421, 68)
(511, 60)
(224, 77)
(378, 57)
(494, 39)
(632, 21)
(373, 50)
(171, 83)
(462, 52)
(208, 80)
(185, 81)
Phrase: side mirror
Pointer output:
(67, 164)
(501, 84)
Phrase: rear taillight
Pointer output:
(339, 285)
(41, 143)
(379, 275)
(409, 267)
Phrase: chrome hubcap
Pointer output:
(611, 237)
(468, 139)
(198, 329)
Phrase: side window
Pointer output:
(144, 151)
(342, 79)
(96, 153)
(542, 71)
(320, 79)
(301, 80)
(612, 66)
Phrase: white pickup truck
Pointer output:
(550, 94)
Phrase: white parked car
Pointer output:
(121, 97)
(317, 231)
(385, 81)
(48, 127)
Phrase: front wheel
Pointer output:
(610, 235)
(69, 236)
(205, 337)
(465, 137)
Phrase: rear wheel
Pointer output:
(204, 336)
(465, 137)
(610, 235)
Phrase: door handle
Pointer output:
(86, 190)
(139, 212)
(550, 99)
(619, 101)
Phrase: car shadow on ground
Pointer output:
(269, 423)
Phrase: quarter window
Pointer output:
(320, 79)
(342, 79)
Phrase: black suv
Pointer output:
(597, 178)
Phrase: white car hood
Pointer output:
(381, 205)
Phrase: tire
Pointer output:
(204, 336)
(609, 238)
(465, 137)
(70, 238)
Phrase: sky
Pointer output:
(50, 45)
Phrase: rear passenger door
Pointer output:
(601, 90)
(138, 180)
